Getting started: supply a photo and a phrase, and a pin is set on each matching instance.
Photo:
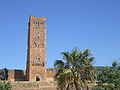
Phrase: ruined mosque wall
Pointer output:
(16, 75)
(20, 75)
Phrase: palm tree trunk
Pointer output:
(87, 87)
(76, 85)
(68, 87)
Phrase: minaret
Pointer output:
(36, 53)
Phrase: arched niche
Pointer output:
(37, 78)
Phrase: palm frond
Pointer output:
(59, 64)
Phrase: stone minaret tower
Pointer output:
(36, 53)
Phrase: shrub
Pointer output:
(5, 86)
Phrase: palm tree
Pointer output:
(114, 63)
(75, 69)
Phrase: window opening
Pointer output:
(37, 78)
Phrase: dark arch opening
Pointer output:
(37, 78)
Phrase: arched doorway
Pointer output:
(37, 78)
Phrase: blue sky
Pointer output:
(92, 24)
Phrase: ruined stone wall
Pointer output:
(19, 75)
(50, 74)
(11, 75)
(16, 75)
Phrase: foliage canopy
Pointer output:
(75, 70)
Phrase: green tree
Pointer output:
(5, 86)
(109, 78)
(114, 63)
(4, 74)
(75, 70)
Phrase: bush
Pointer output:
(5, 86)
(104, 87)
(3, 74)
(109, 78)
